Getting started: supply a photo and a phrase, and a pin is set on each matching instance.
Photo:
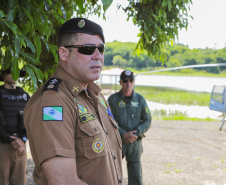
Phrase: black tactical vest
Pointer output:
(12, 104)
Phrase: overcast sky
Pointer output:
(207, 29)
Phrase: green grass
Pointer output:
(172, 96)
(175, 115)
(169, 96)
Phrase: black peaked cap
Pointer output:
(81, 25)
(126, 74)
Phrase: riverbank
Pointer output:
(180, 152)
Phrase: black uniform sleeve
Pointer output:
(4, 136)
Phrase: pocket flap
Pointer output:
(90, 128)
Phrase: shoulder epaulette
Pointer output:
(52, 84)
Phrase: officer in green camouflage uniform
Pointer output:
(133, 116)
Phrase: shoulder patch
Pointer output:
(52, 84)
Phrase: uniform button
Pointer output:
(95, 129)
(120, 181)
(107, 132)
(114, 157)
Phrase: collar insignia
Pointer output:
(75, 88)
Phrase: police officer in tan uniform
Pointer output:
(13, 157)
(73, 136)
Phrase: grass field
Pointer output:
(171, 96)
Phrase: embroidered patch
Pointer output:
(52, 113)
(82, 110)
(103, 102)
(147, 110)
(98, 145)
(134, 104)
(127, 73)
(121, 104)
(87, 117)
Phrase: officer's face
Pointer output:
(86, 67)
(8, 78)
(127, 84)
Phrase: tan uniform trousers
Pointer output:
(12, 167)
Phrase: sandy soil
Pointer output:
(180, 153)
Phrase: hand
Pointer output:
(18, 145)
(129, 137)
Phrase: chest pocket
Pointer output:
(134, 112)
(93, 142)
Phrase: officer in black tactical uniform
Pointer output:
(13, 157)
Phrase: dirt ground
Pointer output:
(180, 153)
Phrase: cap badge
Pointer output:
(127, 73)
(81, 23)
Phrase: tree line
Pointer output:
(28, 29)
(122, 54)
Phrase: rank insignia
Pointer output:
(52, 113)
(121, 104)
(147, 110)
(82, 110)
(134, 104)
(98, 145)
(52, 84)
(87, 117)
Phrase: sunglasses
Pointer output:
(87, 49)
(126, 80)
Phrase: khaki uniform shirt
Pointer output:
(69, 122)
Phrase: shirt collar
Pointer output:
(73, 84)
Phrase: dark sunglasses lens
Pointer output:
(101, 49)
(126, 80)
(87, 50)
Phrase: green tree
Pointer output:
(28, 34)
(119, 61)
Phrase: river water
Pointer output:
(188, 83)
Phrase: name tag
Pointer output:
(87, 117)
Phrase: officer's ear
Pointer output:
(63, 53)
